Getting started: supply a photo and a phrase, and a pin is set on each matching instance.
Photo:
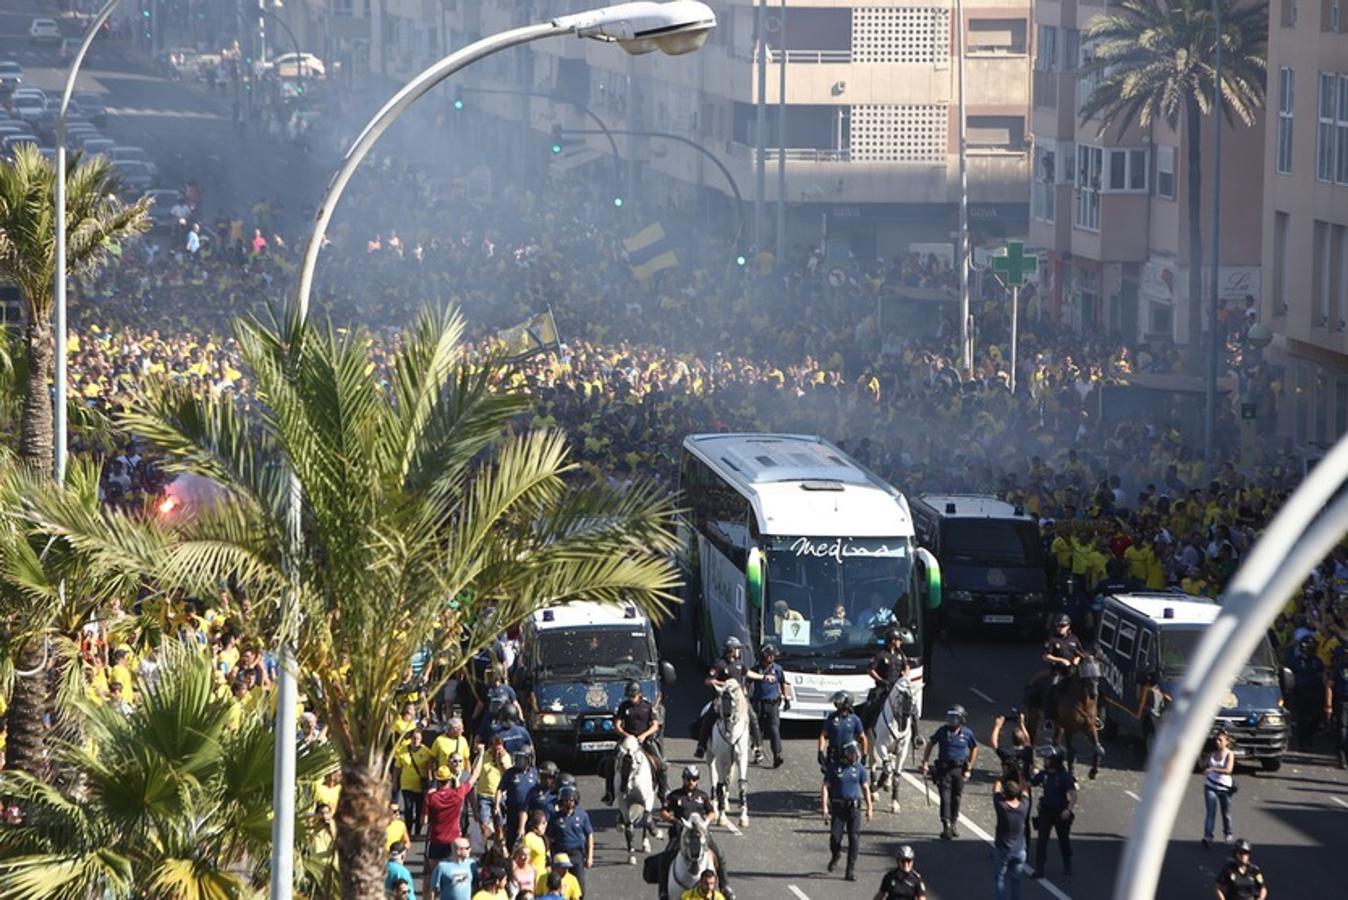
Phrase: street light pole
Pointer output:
(675, 27)
(962, 241)
(60, 422)
(1215, 341)
(761, 125)
(781, 134)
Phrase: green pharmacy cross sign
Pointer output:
(1013, 265)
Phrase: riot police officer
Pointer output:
(903, 883)
(636, 718)
(1057, 809)
(1309, 690)
(729, 668)
(1062, 652)
(771, 697)
(956, 753)
(1338, 712)
(1241, 879)
(841, 726)
(846, 786)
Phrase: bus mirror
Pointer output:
(753, 578)
(929, 578)
(667, 673)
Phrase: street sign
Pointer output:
(1013, 265)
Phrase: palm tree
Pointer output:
(175, 803)
(1157, 61)
(96, 224)
(429, 523)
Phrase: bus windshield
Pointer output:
(837, 596)
(606, 652)
(1178, 646)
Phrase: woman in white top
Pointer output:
(1218, 786)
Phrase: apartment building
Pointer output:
(1305, 273)
(870, 134)
(1108, 209)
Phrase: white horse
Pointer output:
(636, 794)
(730, 750)
(693, 857)
(891, 738)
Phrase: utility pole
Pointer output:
(781, 135)
(761, 124)
(962, 241)
(1215, 340)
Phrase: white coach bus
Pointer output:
(788, 540)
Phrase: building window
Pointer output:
(1127, 171)
(1046, 51)
(1043, 197)
(1329, 15)
(1165, 172)
(996, 37)
(1341, 132)
(1090, 162)
(1286, 96)
(1071, 49)
(1326, 106)
(1320, 260)
(1289, 13)
(996, 133)
(1282, 223)
(1337, 239)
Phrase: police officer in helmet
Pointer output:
(956, 753)
(1310, 691)
(840, 727)
(771, 697)
(886, 668)
(636, 718)
(846, 786)
(1057, 809)
(1241, 879)
(726, 669)
(903, 882)
(1062, 652)
(680, 804)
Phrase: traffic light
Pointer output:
(458, 99)
(556, 140)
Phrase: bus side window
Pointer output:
(1109, 627)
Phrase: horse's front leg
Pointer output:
(744, 790)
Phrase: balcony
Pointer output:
(793, 154)
(806, 57)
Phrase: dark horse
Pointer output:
(1075, 708)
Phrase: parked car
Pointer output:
(136, 177)
(27, 107)
(92, 105)
(44, 31)
(11, 75)
(293, 65)
(75, 138)
(9, 142)
(37, 92)
(97, 146)
(126, 153)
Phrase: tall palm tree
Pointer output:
(429, 522)
(96, 222)
(175, 803)
(1157, 62)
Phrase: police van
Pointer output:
(1145, 641)
(992, 561)
(575, 661)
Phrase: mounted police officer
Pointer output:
(956, 753)
(680, 804)
(1062, 652)
(1057, 809)
(1309, 693)
(886, 668)
(840, 727)
(726, 669)
(846, 786)
(903, 883)
(771, 697)
(636, 717)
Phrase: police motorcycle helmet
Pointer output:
(732, 643)
(632, 690)
(906, 853)
(1241, 846)
(691, 773)
(1062, 619)
(768, 650)
(549, 768)
(957, 713)
(842, 700)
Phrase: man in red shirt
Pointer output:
(444, 807)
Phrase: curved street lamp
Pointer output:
(674, 28)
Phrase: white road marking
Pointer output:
(800, 895)
(1047, 885)
(981, 694)
(734, 829)
(165, 113)
(1134, 796)
(1339, 800)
